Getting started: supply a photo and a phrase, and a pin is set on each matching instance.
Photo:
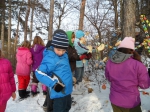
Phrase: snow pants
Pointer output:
(23, 82)
(62, 104)
(79, 74)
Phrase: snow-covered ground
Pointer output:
(97, 101)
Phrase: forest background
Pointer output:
(99, 19)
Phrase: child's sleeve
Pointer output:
(81, 49)
(12, 79)
(44, 72)
(72, 54)
(143, 77)
(29, 58)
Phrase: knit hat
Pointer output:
(79, 34)
(60, 39)
(127, 42)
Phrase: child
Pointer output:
(7, 82)
(37, 56)
(126, 73)
(72, 53)
(82, 51)
(23, 68)
(54, 71)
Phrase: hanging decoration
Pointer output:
(145, 23)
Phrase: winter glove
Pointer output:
(83, 56)
(58, 87)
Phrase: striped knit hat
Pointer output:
(60, 39)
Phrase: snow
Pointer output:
(97, 101)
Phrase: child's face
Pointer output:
(72, 40)
(59, 51)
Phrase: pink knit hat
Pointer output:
(127, 42)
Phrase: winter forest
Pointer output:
(104, 22)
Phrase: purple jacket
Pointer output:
(126, 75)
(37, 55)
(7, 81)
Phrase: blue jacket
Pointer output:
(81, 49)
(53, 69)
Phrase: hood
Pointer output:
(69, 35)
(22, 51)
(120, 57)
(37, 48)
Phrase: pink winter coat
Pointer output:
(24, 61)
(7, 82)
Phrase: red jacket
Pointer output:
(7, 82)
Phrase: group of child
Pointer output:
(54, 66)
(64, 58)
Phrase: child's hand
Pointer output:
(58, 87)
(83, 56)
(13, 96)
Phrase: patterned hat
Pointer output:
(60, 39)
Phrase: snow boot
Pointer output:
(44, 88)
(27, 92)
(34, 89)
(22, 94)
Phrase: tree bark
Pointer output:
(9, 31)
(2, 24)
(31, 23)
(129, 18)
(82, 10)
(26, 20)
(51, 20)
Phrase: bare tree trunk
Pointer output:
(9, 31)
(137, 11)
(116, 13)
(121, 15)
(51, 20)
(129, 18)
(31, 23)
(26, 21)
(3, 24)
(82, 10)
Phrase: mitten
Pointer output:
(83, 56)
(58, 87)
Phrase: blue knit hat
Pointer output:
(79, 34)
(60, 39)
